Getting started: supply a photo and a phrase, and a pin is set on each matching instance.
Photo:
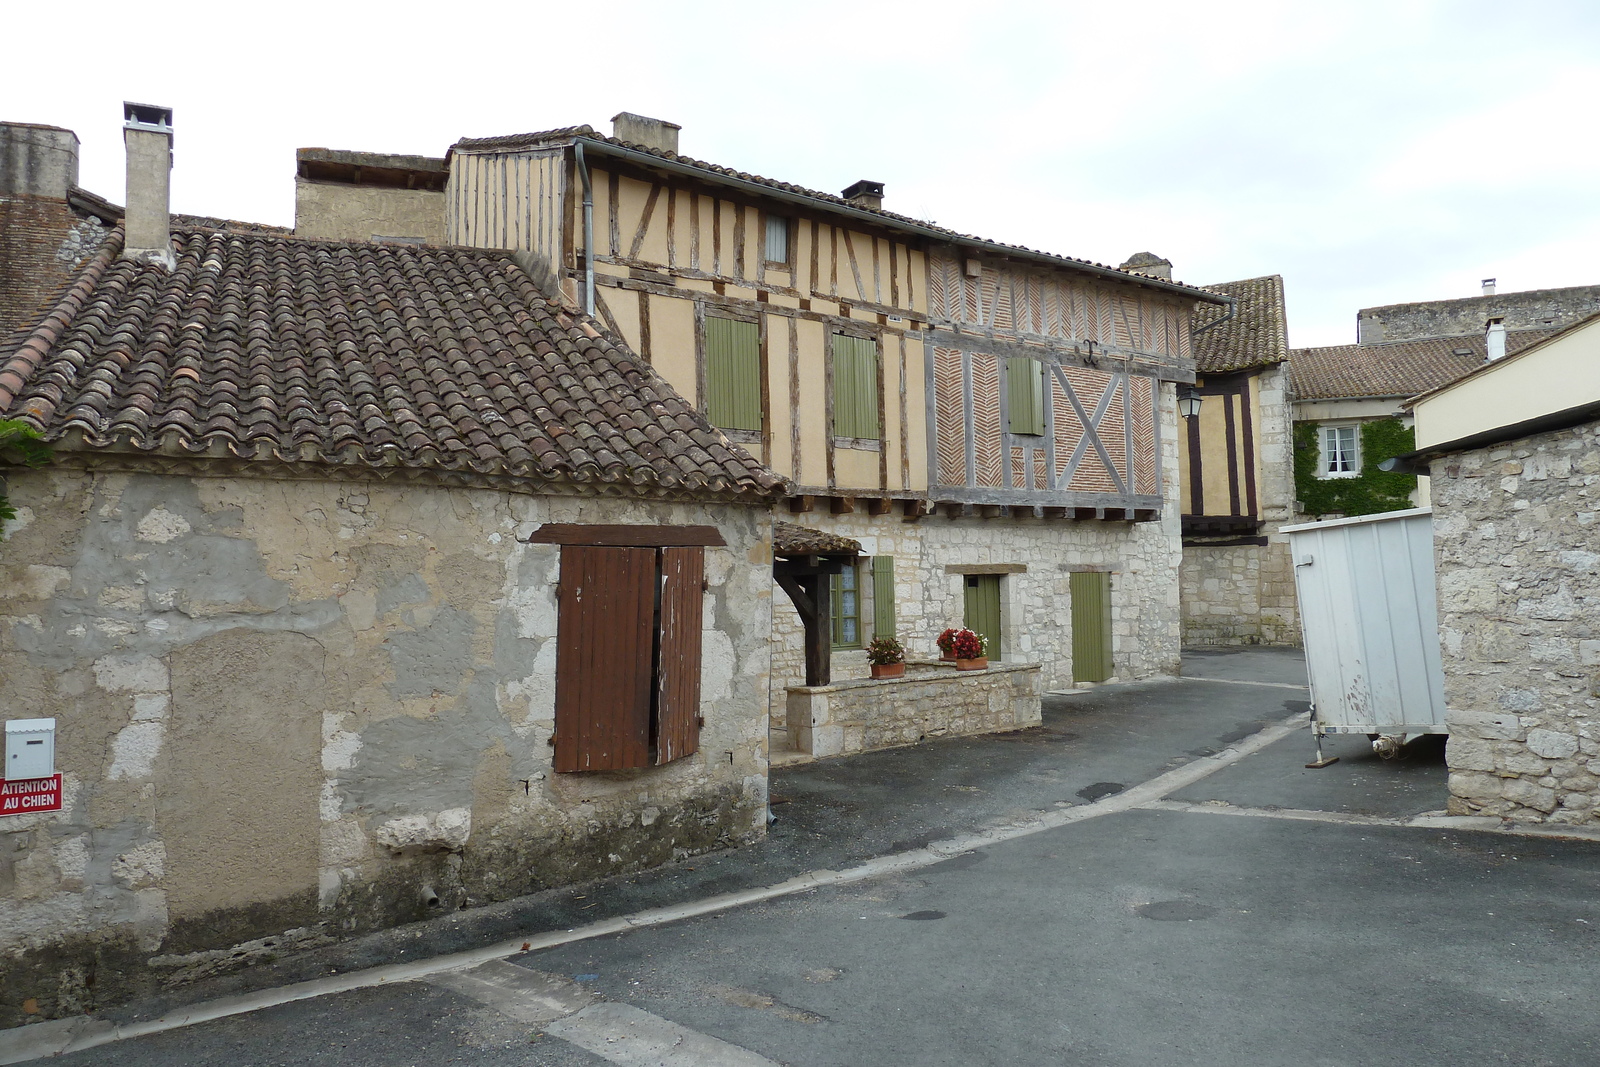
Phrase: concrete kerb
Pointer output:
(58, 1037)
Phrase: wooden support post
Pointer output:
(914, 509)
(843, 505)
(802, 504)
(879, 505)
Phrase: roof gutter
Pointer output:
(1233, 306)
(646, 159)
(1417, 462)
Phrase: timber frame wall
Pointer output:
(671, 249)
(1104, 347)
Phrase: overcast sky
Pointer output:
(1371, 153)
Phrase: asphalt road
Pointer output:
(1225, 925)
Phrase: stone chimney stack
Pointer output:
(147, 136)
(865, 193)
(1149, 263)
(1494, 339)
(1488, 287)
(658, 134)
(38, 170)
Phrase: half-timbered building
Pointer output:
(1236, 463)
(995, 426)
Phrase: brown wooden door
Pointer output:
(605, 643)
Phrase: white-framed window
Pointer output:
(777, 244)
(1341, 451)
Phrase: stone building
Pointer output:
(1236, 583)
(1513, 453)
(1534, 309)
(1349, 413)
(314, 590)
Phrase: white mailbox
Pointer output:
(30, 748)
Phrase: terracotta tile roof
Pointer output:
(516, 141)
(278, 349)
(791, 540)
(1393, 368)
(1256, 336)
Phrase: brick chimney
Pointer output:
(864, 193)
(147, 136)
(658, 134)
(38, 168)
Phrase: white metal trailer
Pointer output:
(1369, 617)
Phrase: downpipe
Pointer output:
(588, 230)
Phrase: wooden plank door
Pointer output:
(981, 612)
(1091, 626)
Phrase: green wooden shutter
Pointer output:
(733, 374)
(855, 387)
(1091, 626)
(1025, 394)
(883, 619)
(981, 612)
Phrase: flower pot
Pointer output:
(979, 664)
(888, 670)
(949, 657)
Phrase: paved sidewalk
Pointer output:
(1020, 949)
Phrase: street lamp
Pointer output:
(1189, 402)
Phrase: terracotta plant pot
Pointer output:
(982, 663)
(888, 670)
(949, 657)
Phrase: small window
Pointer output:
(847, 607)
(777, 241)
(1341, 451)
(855, 387)
(733, 374)
(1025, 395)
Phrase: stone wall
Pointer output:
(1517, 546)
(1035, 600)
(932, 700)
(1534, 309)
(335, 211)
(1244, 594)
(291, 711)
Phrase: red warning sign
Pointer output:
(24, 796)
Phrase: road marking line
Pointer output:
(631, 1037)
(1239, 681)
(1477, 823)
(85, 1032)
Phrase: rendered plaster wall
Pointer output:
(933, 700)
(1142, 557)
(290, 711)
(1517, 548)
(335, 211)
(1244, 594)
